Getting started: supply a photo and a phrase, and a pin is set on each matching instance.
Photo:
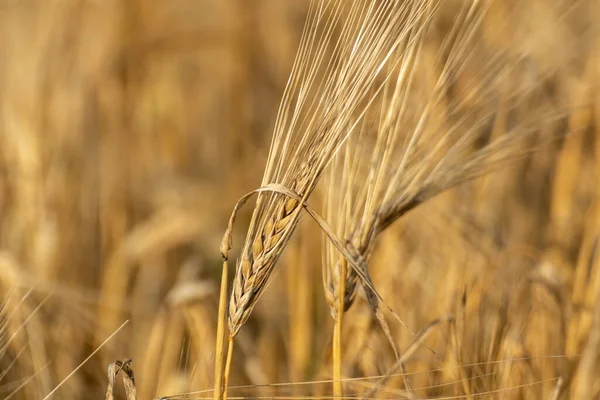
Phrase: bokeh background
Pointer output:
(128, 130)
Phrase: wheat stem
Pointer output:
(227, 367)
(222, 321)
(337, 334)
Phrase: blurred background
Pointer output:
(129, 129)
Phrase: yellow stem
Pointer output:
(222, 322)
(337, 334)
(227, 367)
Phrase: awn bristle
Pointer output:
(333, 82)
(414, 143)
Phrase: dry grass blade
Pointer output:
(126, 371)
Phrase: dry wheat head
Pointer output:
(455, 107)
(337, 72)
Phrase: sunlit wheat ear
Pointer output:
(415, 143)
(338, 69)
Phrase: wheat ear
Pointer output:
(324, 100)
(414, 144)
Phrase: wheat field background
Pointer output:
(130, 128)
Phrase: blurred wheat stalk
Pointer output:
(128, 128)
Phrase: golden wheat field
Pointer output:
(426, 210)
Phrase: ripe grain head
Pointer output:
(455, 108)
(332, 84)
